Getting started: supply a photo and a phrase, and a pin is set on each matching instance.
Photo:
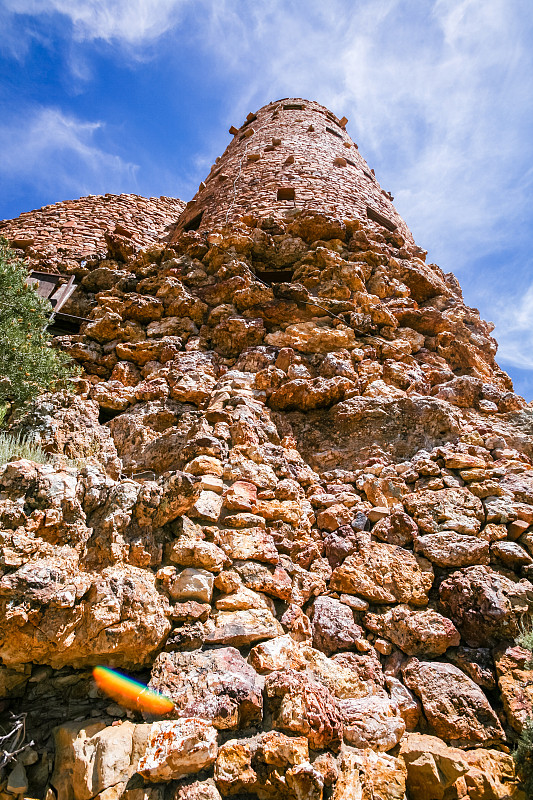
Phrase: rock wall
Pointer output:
(76, 229)
(301, 508)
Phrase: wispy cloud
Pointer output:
(60, 154)
(439, 99)
(129, 21)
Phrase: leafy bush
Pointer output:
(28, 364)
(523, 757)
(526, 640)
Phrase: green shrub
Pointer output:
(523, 755)
(28, 364)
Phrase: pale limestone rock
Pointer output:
(233, 768)
(192, 584)
(207, 507)
(373, 722)
(240, 468)
(313, 337)
(92, 757)
(276, 654)
(446, 509)
(198, 554)
(408, 705)
(248, 543)
(366, 775)
(243, 599)
(341, 674)
(240, 628)
(450, 549)
(177, 748)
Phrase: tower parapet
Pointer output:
(291, 155)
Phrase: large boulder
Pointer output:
(303, 706)
(454, 706)
(53, 613)
(91, 757)
(366, 775)
(384, 573)
(454, 509)
(486, 606)
(416, 632)
(216, 685)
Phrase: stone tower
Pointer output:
(291, 155)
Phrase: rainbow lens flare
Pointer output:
(130, 693)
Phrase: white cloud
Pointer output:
(438, 94)
(59, 154)
(133, 22)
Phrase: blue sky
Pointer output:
(137, 96)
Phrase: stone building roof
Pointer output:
(77, 228)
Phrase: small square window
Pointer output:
(286, 193)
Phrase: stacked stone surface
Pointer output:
(299, 506)
(76, 229)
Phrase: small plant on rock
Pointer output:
(29, 365)
(523, 754)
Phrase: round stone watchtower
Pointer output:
(291, 155)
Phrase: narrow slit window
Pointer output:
(194, 223)
(335, 133)
(380, 219)
(293, 107)
(271, 276)
(286, 193)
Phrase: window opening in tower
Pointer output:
(272, 276)
(380, 219)
(286, 193)
(293, 107)
(335, 133)
(194, 223)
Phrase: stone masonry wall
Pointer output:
(290, 144)
(77, 228)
